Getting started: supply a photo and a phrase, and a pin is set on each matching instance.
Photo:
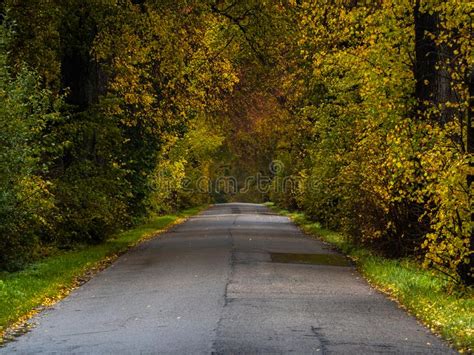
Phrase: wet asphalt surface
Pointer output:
(210, 286)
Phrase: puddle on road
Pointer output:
(313, 259)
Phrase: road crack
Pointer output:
(229, 279)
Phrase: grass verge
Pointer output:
(43, 283)
(425, 294)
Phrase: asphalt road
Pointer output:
(210, 286)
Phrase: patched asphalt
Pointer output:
(210, 286)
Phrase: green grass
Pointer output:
(424, 293)
(44, 282)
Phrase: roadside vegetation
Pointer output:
(357, 113)
(42, 283)
(426, 294)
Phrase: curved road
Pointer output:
(219, 284)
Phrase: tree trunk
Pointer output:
(433, 83)
(433, 91)
(80, 72)
(465, 270)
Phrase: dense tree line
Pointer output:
(367, 107)
(103, 103)
(383, 110)
(112, 107)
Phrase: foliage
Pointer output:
(25, 199)
(358, 113)
(383, 157)
(364, 107)
(121, 93)
(183, 174)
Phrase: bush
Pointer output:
(25, 200)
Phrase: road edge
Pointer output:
(388, 290)
(23, 325)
